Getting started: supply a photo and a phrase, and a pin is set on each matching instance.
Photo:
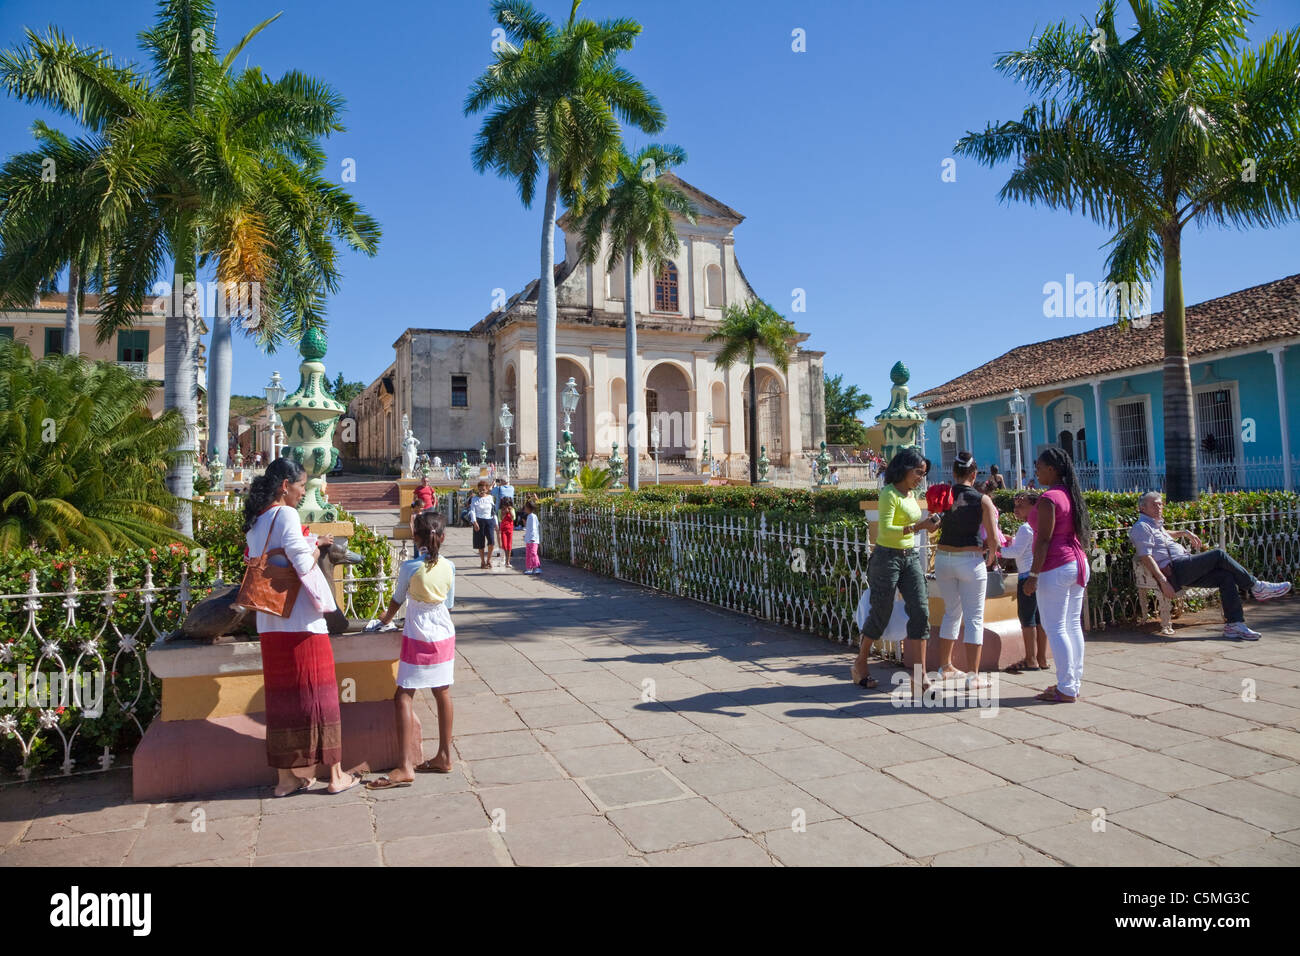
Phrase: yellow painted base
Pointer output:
(203, 697)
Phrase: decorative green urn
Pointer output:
(764, 464)
(463, 471)
(310, 415)
(569, 466)
(901, 422)
(823, 467)
(616, 468)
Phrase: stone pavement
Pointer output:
(602, 724)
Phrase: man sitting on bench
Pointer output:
(1175, 568)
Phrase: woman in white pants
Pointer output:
(961, 569)
(1060, 571)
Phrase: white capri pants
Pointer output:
(1060, 609)
(962, 577)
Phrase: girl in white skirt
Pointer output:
(427, 584)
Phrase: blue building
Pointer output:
(1098, 394)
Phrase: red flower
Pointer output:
(59, 710)
(305, 531)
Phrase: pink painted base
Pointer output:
(181, 758)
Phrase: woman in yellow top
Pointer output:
(895, 565)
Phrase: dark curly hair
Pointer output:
(901, 464)
(267, 485)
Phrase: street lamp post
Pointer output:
(274, 396)
(654, 441)
(506, 421)
(569, 455)
(1017, 406)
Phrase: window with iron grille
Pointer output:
(666, 289)
(1217, 426)
(460, 391)
(54, 341)
(1131, 433)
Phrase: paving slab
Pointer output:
(1161, 772)
(1005, 852)
(666, 826)
(833, 843)
(1259, 806)
(739, 851)
(1090, 790)
(1079, 844)
(1191, 828)
(1014, 810)
(770, 808)
(944, 776)
(1018, 762)
(926, 829)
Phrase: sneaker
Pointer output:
(1238, 631)
(1264, 591)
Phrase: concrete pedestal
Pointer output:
(211, 733)
(406, 498)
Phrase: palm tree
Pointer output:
(46, 210)
(557, 96)
(197, 167)
(638, 213)
(99, 484)
(744, 330)
(1175, 125)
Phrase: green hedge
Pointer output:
(822, 596)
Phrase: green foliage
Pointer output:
(344, 391)
(843, 406)
(594, 479)
(81, 461)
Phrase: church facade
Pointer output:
(452, 383)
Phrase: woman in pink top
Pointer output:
(1059, 573)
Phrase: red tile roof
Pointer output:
(1255, 316)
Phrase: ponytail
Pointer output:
(429, 530)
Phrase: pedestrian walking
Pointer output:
(532, 538)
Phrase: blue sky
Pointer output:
(833, 155)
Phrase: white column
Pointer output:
(1101, 445)
(970, 436)
(1277, 352)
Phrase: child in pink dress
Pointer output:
(427, 585)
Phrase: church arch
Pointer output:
(773, 418)
(668, 403)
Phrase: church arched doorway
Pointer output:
(668, 403)
(771, 415)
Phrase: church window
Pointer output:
(666, 289)
(460, 391)
(616, 290)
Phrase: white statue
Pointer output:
(409, 444)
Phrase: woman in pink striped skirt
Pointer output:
(427, 584)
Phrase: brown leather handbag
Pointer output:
(268, 587)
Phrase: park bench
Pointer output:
(1146, 581)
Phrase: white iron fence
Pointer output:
(1249, 474)
(810, 577)
(76, 693)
